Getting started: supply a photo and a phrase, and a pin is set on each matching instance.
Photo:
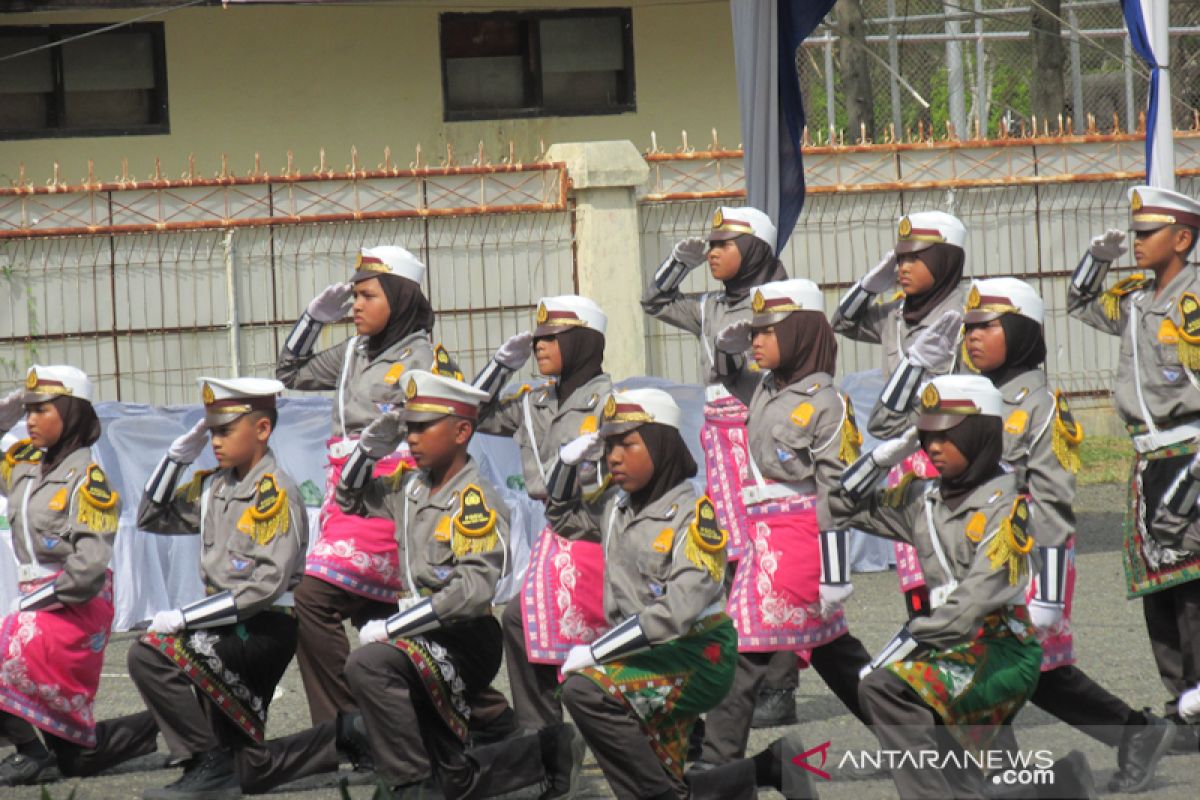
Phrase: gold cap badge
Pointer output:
(718, 219)
(410, 391)
(973, 299)
(1135, 201)
(758, 303)
(207, 395)
(610, 407)
(905, 227)
(31, 381)
(930, 397)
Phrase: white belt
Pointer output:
(714, 392)
(31, 572)
(286, 600)
(762, 493)
(1158, 439)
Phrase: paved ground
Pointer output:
(1110, 642)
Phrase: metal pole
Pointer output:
(1162, 168)
(235, 366)
(1076, 72)
(1130, 114)
(954, 73)
(981, 88)
(830, 111)
(894, 62)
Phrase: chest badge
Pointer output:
(976, 525)
(1017, 422)
(443, 531)
(802, 414)
(59, 501)
(393, 374)
(664, 541)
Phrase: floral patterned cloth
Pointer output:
(562, 601)
(727, 468)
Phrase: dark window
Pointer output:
(537, 64)
(109, 84)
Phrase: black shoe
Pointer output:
(207, 776)
(497, 730)
(563, 749)
(426, 789)
(775, 707)
(1187, 737)
(695, 741)
(22, 770)
(1141, 748)
(352, 741)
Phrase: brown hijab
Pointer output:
(806, 346)
(759, 266)
(410, 312)
(81, 428)
(582, 351)
(945, 263)
(981, 440)
(673, 464)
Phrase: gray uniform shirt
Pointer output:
(646, 569)
(1170, 391)
(462, 587)
(251, 558)
(914, 513)
(362, 383)
(1029, 416)
(701, 314)
(45, 509)
(540, 425)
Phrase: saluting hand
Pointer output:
(735, 337)
(516, 351)
(690, 251)
(1109, 246)
(332, 304)
(187, 448)
(882, 276)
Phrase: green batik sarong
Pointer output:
(977, 686)
(669, 686)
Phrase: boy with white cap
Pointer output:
(1156, 312)
(64, 517)
(207, 671)
(974, 660)
(414, 674)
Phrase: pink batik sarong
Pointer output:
(908, 566)
(562, 601)
(727, 468)
(1058, 646)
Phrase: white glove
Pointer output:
(579, 657)
(516, 351)
(1109, 246)
(893, 451)
(333, 303)
(187, 448)
(1045, 616)
(373, 631)
(833, 595)
(383, 435)
(934, 350)
(11, 409)
(588, 447)
(170, 621)
(882, 276)
(735, 337)
(1189, 705)
(690, 251)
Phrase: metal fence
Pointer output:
(970, 62)
(1030, 206)
(149, 285)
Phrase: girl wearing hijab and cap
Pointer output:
(353, 571)
(63, 516)
(560, 604)
(1004, 340)
(908, 292)
(789, 587)
(671, 650)
(974, 660)
(740, 253)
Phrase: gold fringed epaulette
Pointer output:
(269, 516)
(1110, 301)
(396, 479)
(474, 524)
(894, 497)
(1067, 434)
(192, 490)
(1012, 542)
(97, 502)
(1188, 344)
(22, 452)
(706, 541)
(598, 492)
(523, 390)
(852, 439)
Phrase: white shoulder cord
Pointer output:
(938, 594)
(1137, 370)
(350, 344)
(37, 565)
(529, 429)
(708, 347)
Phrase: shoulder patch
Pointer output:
(802, 414)
(1012, 543)
(1188, 345)
(444, 365)
(1110, 301)
(706, 541)
(1067, 434)
(22, 452)
(474, 524)
(98, 501)
(1017, 422)
(269, 516)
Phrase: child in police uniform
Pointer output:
(790, 586)
(63, 516)
(671, 652)
(207, 671)
(974, 660)
(1004, 341)
(1156, 313)
(416, 669)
